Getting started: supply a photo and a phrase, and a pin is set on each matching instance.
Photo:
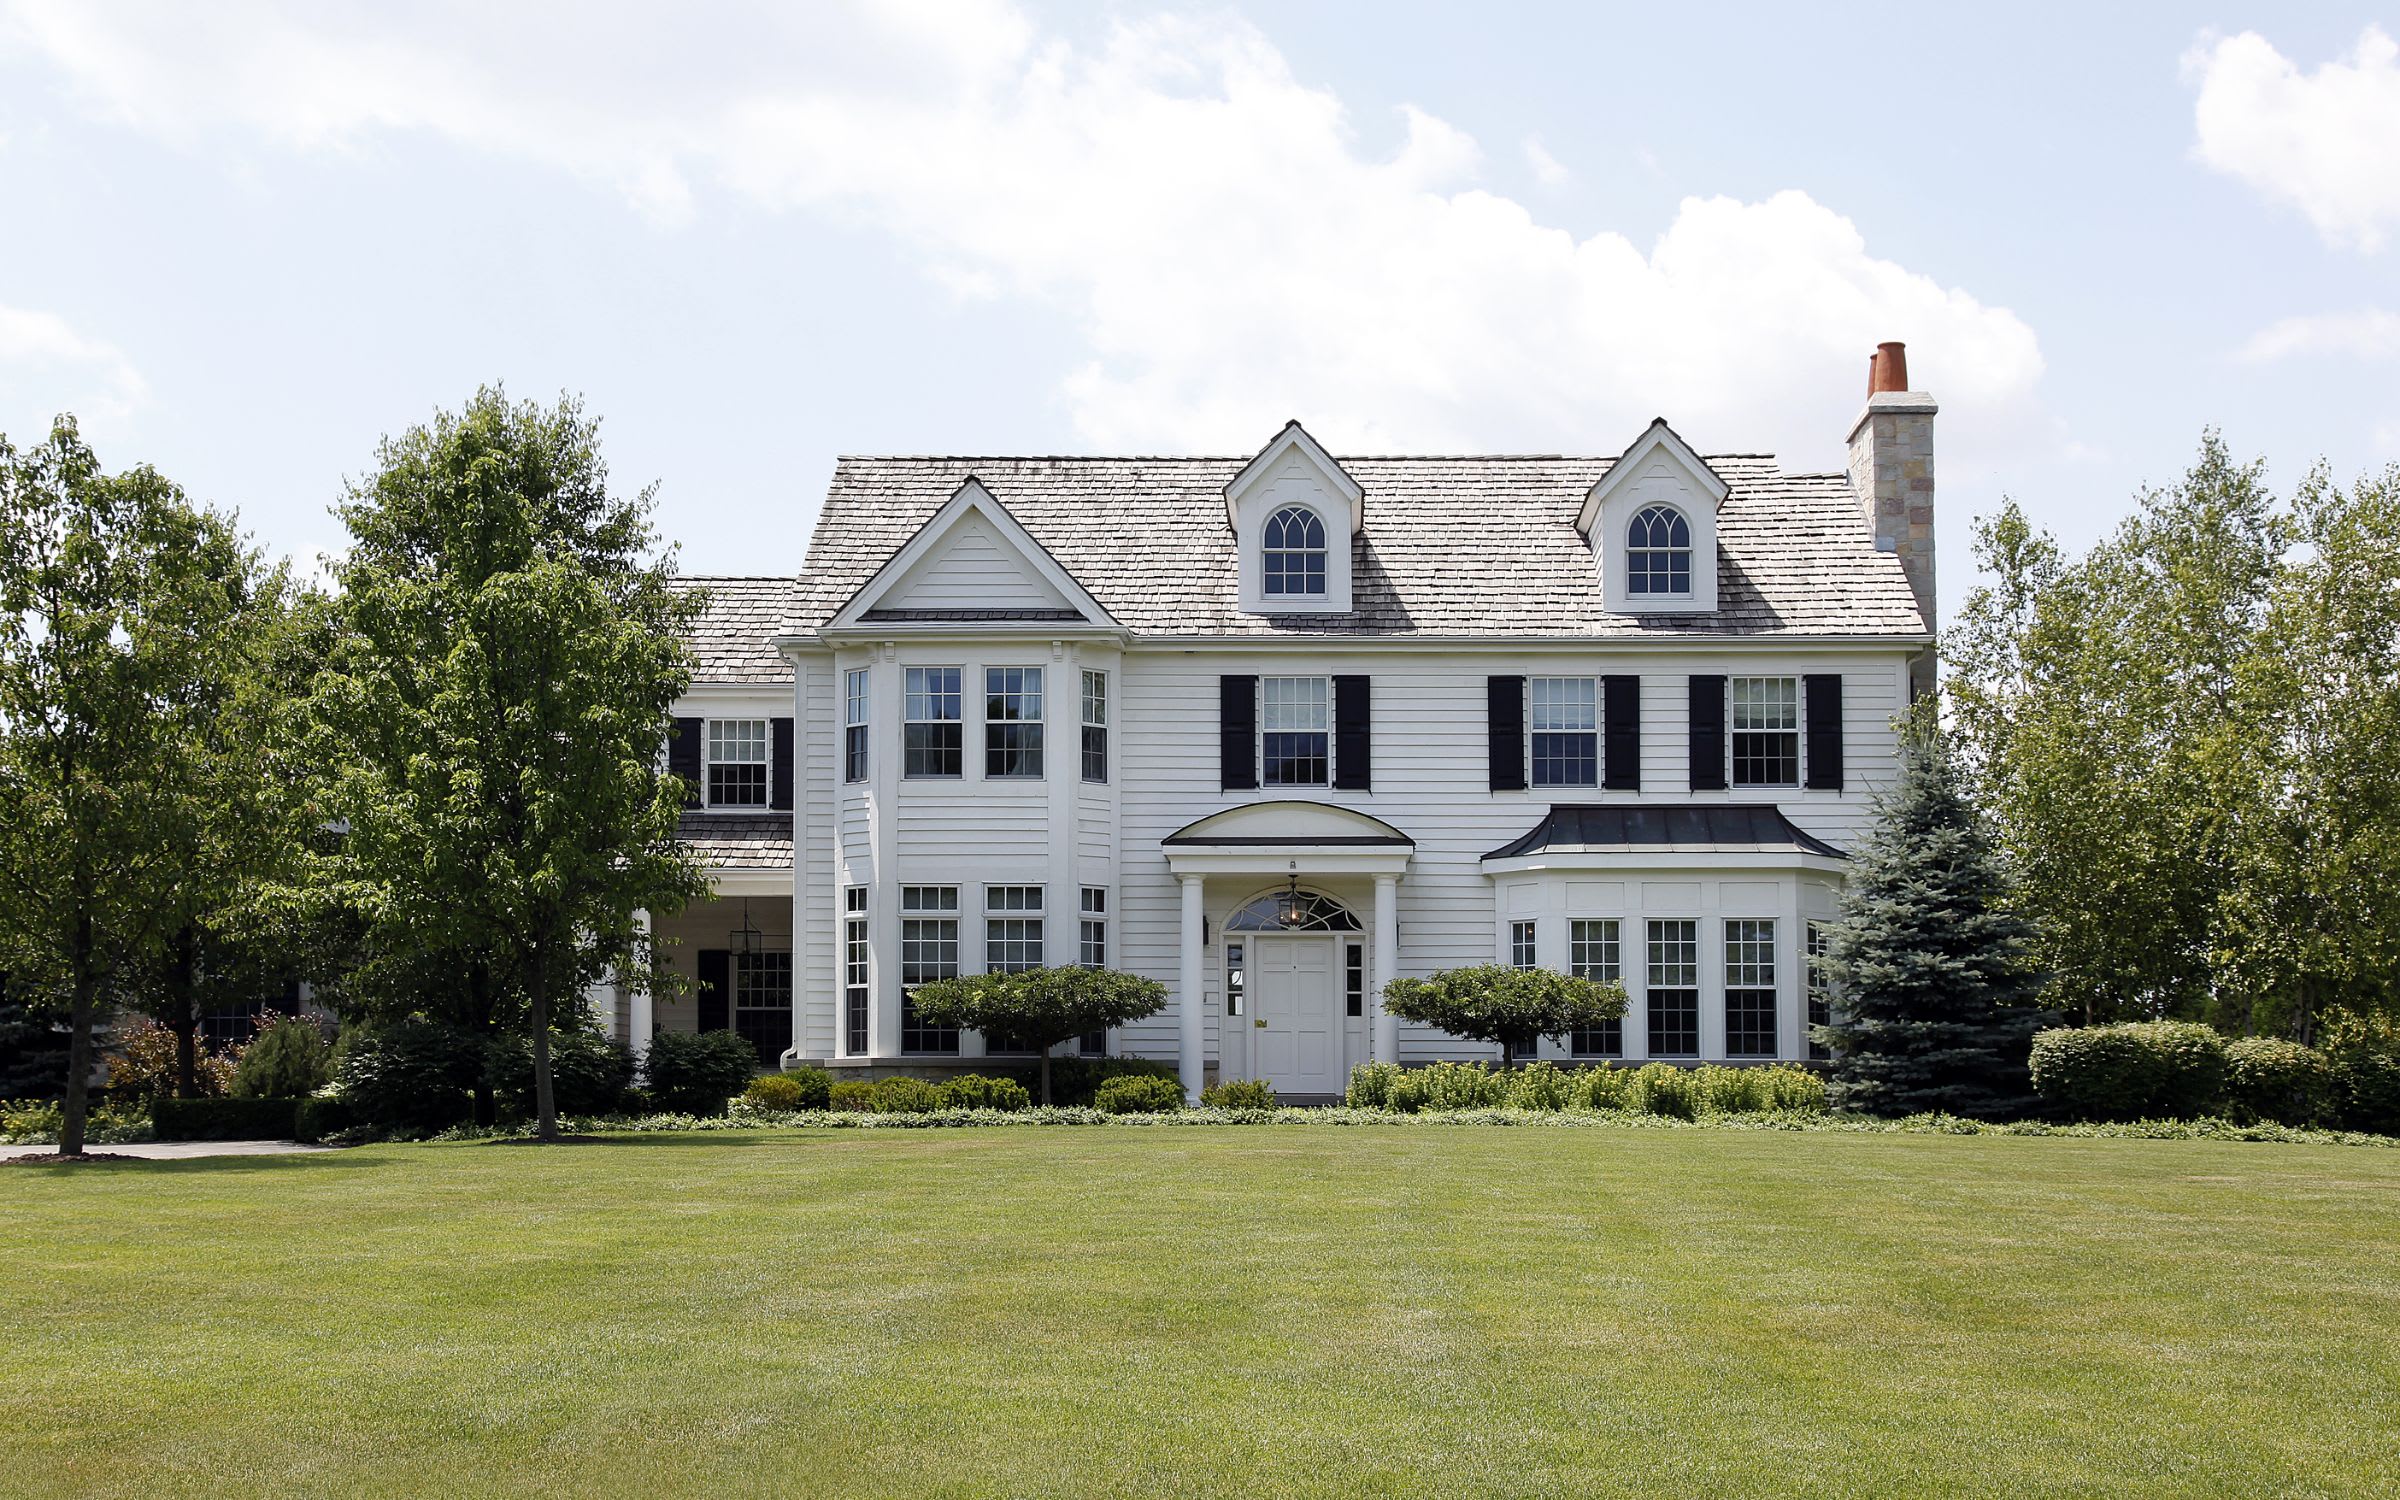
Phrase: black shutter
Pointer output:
(716, 989)
(779, 796)
(1505, 722)
(683, 759)
(1708, 733)
(1353, 736)
(1237, 733)
(1824, 694)
(1621, 733)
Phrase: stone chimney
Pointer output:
(1891, 469)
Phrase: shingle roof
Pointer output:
(1623, 825)
(1451, 546)
(730, 640)
(739, 841)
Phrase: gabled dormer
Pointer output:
(972, 561)
(1652, 525)
(1293, 511)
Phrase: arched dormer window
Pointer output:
(1294, 553)
(1658, 552)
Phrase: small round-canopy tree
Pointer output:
(1514, 1007)
(1040, 1008)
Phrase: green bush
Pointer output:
(905, 1096)
(2365, 1051)
(142, 1063)
(319, 1116)
(409, 1076)
(224, 1119)
(2267, 1078)
(851, 1096)
(2136, 1070)
(1660, 1089)
(1135, 1094)
(284, 1061)
(1075, 1081)
(802, 1088)
(1371, 1085)
(1239, 1093)
(974, 1091)
(699, 1072)
(1541, 1085)
(1600, 1088)
(589, 1073)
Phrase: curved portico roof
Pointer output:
(1313, 825)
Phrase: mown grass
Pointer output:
(1256, 1311)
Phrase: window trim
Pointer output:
(858, 974)
(1094, 745)
(1816, 959)
(1534, 779)
(857, 721)
(1697, 989)
(1031, 731)
(1576, 1046)
(943, 911)
(1270, 576)
(958, 695)
(1674, 514)
(1324, 682)
(765, 762)
(1772, 989)
(1797, 733)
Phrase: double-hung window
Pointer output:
(1012, 722)
(1593, 952)
(1521, 946)
(1820, 988)
(1095, 726)
(854, 725)
(1671, 993)
(762, 1003)
(1765, 730)
(854, 970)
(737, 762)
(1563, 718)
(932, 733)
(1749, 987)
(928, 951)
(1012, 928)
(1295, 739)
(1091, 951)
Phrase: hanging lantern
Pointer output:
(1292, 908)
(746, 938)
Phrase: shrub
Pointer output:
(2267, 1078)
(29, 1121)
(1134, 1094)
(851, 1096)
(321, 1115)
(1074, 1081)
(224, 1119)
(1449, 1085)
(2137, 1070)
(141, 1063)
(1040, 1008)
(411, 1075)
(589, 1073)
(904, 1096)
(699, 1072)
(284, 1061)
(1371, 1085)
(1239, 1093)
(1540, 1085)
(802, 1088)
(1660, 1089)
(974, 1091)
(1600, 1088)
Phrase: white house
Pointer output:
(1275, 729)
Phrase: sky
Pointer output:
(241, 242)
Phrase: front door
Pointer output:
(1296, 1028)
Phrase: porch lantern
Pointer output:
(746, 938)
(1291, 909)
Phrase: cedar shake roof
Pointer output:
(1614, 827)
(739, 841)
(1451, 546)
(730, 640)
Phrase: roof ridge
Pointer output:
(1236, 458)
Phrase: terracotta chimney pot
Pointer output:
(1887, 368)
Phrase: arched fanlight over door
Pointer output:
(1293, 911)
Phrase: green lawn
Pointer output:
(1257, 1311)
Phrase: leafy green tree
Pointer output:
(1513, 1007)
(33, 1052)
(1040, 1008)
(508, 654)
(1937, 1007)
(123, 609)
(284, 1061)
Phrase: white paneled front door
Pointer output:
(1296, 1013)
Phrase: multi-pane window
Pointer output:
(1354, 978)
(762, 1003)
(1820, 987)
(1012, 721)
(854, 970)
(1092, 953)
(1594, 952)
(1095, 726)
(1672, 989)
(1295, 739)
(1012, 928)
(1235, 973)
(928, 951)
(1749, 987)
(1766, 730)
(854, 725)
(1658, 552)
(1294, 554)
(1521, 945)
(737, 762)
(932, 731)
(1563, 717)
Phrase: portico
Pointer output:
(1293, 872)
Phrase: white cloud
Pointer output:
(2366, 333)
(47, 368)
(1548, 170)
(1210, 223)
(2324, 142)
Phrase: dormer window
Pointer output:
(1294, 553)
(1658, 553)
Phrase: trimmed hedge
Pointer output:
(224, 1119)
(699, 1072)
(1652, 1089)
(2135, 1070)
(974, 1091)
(318, 1117)
(2267, 1078)
(1134, 1094)
(1075, 1081)
(802, 1088)
(1239, 1093)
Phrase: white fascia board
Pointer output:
(938, 631)
(1317, 643)
(1294, 436)
(1666, 860)
(749, 882)
(1659, 437)
(1278, 859)
(971, 496)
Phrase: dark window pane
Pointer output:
(1674, 1023)
(1294, 759)
(933, 750)
(1566, 759)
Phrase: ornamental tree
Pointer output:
(1040, 1008)
(1513, 1007)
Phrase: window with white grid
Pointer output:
(1765, 727)
(1563, 719)
(931, 729)
(854, 725)
(928, 951)
(1521, 945)
(1671, 988)
(1594, 952)
(1749, 987)
(1012, 928)
(854, 970)
(1095, 726)
(1294, 731)
(737, 762)
(1012, 722)
(1820, 987)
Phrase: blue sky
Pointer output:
(245, 240)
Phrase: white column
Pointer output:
(1383, 965)
(639, 1020)
(1191, 1013)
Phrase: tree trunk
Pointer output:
(79, 1047)
(545, 1105)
